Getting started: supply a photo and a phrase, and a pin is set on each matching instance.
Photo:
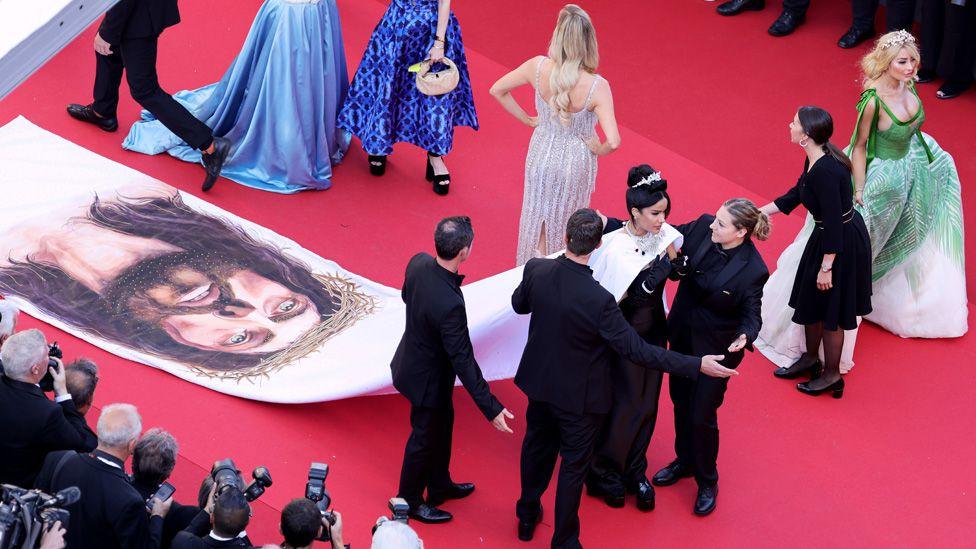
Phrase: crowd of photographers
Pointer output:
(64, 485)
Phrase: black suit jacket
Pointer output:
(710, 312)
(138, 19)
(435, 347)
(576, 328)
(197, 536)
(179, 516)
(31, 425)
(110, 514)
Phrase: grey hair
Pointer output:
(21, 352)
(391, 534)
(81, 377)
(8, 318)
(154, 457)
(118, 434)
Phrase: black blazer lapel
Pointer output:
(700, 253)
(736, 264)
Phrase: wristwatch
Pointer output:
(826, 268)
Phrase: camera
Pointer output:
(24, 514)
(315, 491)
(225, 474)
(399, 510)
(47, 382)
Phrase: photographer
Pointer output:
(302, 523)
(110, 513)
(81, 377)
(391, 534)
(8, 321)
(153, 461)
(31, 425)
(227, 515)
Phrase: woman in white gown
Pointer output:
(908, 192)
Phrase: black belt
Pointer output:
(846, 218)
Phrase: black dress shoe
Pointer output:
(855, 36)
(924, 76)
(457, 491)
(952, 88)
(86, 113)
(430, 515)
(526, 529)
(613, 498)
(836, 388)
(786, 23)
(214, 162)
(794, 371)
(645, 496)
(735, 7)
(705, 502)
(674, 472)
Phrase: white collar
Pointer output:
(218, 538)
(108, 461)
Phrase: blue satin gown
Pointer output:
(277, 103)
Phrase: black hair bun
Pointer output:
(646, 177)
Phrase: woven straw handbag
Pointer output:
(437, 83)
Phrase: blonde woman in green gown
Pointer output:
(907, 190)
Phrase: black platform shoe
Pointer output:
(815, 368)
(836, 388)
(441, 183)
(377, 164)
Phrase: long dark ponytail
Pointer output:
(819, 126)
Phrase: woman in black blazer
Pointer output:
(715, 311)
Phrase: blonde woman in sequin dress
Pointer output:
(570, 98)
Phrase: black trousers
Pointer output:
(427, 457)
(696, 404)
(796, 6)
(899, 14)
(949, 39)
(137, 58)
(552, 431)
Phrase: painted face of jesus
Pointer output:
(215, 305)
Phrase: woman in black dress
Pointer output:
(833, 281)
(620, 461)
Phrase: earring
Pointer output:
(803, 142)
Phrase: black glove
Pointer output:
(644, 287)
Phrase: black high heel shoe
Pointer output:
(441, 183)
(377, 164)
(836, 388)
(815, 368)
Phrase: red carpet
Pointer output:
(704, 98)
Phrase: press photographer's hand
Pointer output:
(335, 530)
(57, 374)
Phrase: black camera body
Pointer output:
(226, 474)
(315, 491)
(25, 513)
(47, 382)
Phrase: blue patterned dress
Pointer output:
(383, 106)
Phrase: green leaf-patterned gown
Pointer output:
(913, 212)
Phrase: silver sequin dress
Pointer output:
(560, 174)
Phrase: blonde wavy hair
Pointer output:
(573, 49)
(875, 64)
(745, 215)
